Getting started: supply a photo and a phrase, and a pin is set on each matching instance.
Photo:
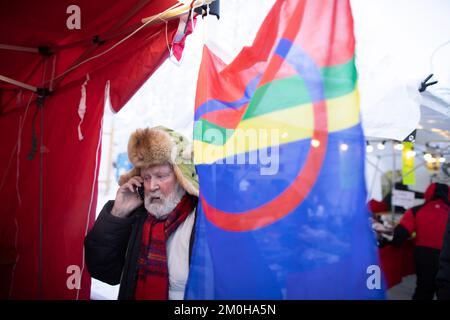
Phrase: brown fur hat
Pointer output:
(148, 147)
(160, 145)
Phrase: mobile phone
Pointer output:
(140, 192)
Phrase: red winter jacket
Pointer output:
(428, 220)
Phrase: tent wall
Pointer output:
(40, 263)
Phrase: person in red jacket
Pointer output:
(443, 276)
(428, 221)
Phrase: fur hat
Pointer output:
(160, 145)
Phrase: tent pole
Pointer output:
(18, 48)
(18, 83)
(374, 175)
(375, 166)
(41, 180)
(40, 101)
(111, 141)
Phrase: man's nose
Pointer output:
(153, 185)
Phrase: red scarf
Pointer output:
(153, 275)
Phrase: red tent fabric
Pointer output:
(48, 203)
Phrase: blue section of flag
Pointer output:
(309, 254)
(245, 181)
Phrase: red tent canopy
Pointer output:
(50, 155)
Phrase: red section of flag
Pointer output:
(287, 201)
(228, 118)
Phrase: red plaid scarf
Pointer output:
(153, 275)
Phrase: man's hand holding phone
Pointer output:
(128, 198)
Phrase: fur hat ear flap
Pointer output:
(127, 176)
(187, 181)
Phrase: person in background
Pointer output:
(428, 221)
(443, 275)
(385, 205)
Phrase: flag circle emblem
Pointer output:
(299, 188)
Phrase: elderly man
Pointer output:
(144, 241)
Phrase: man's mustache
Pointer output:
(157, 194)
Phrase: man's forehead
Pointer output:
(160, 168)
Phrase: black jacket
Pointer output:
(443, 276)
(112, 248)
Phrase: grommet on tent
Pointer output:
(96, 40)
(45, 51)
(43, 92)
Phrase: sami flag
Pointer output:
(279, 152)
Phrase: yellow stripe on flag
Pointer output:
(279, 127)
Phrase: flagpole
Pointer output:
(394, 173)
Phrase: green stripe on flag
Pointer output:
(209, 132)
(281, 94)
(339, 80)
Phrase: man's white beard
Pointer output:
(161, 210)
